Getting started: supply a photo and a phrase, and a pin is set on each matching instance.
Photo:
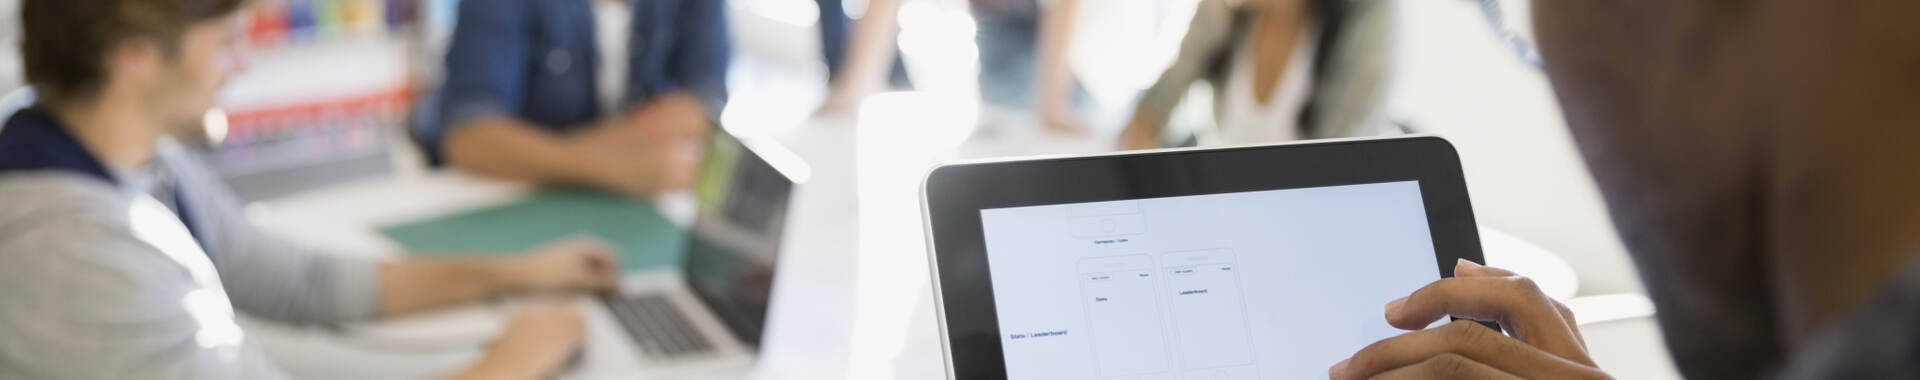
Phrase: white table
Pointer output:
(854, 257)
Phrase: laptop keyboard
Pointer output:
(658, 326)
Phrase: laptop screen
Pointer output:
(1274, 284)
(732, 247)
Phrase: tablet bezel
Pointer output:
(952, 197)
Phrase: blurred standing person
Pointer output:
(122, 256)
(858, 63)
(1024, 59)
(610, 94)
(1024, 65)
(1280, 69)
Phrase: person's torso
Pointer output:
(74, 226)
(36, 146)
(1332, 51)
(612, 25)
(568, 61)
(1245, 119)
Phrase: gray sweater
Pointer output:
(100, 281)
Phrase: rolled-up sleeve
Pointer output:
(267, 277)
(700, 60)
(486, 62)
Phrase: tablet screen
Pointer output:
(1276, 284)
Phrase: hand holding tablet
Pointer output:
(1546, 342)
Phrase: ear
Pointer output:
(136, 60)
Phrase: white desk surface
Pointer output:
(807, 335)
(854, 257)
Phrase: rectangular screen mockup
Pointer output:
(1276, 284)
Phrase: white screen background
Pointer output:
(1097, 288)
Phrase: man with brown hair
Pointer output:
(1757, 156)
(121, 257)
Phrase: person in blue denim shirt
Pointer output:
(609, 94)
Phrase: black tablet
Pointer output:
(1264, 262)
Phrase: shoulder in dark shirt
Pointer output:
(1881, 342)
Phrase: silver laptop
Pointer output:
(714, 309)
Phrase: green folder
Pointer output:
(645, 238)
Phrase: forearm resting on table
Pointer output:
(412, 286)
(507, 148)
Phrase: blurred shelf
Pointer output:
(328, 87)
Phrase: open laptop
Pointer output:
(1260, 262)
(713, 310)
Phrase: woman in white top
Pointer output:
(1281, 70)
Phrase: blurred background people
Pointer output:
(861, 56)
(121, 256)
(610, 94)
(1024, 60)
(1280, 70)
